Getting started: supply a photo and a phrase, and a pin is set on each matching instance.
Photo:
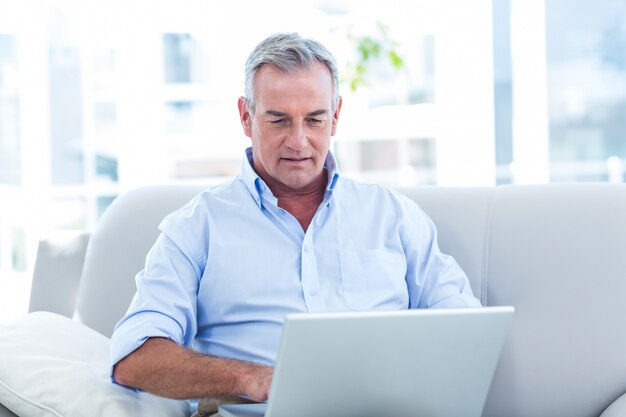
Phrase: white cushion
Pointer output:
(51, 365)
(617, 409)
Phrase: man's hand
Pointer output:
(257, 384)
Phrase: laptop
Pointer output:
(406, 363)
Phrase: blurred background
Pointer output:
(99, 97)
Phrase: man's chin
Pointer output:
(298, 182)
(297, 185)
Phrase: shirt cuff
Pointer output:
(133, 331)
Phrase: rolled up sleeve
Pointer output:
(165, 303)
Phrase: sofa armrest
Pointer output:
(57, 273)
(617, 408)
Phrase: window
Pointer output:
(586, 62)
(96, 99)
(10, 151)
(182, 56)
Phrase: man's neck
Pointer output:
(301, 203)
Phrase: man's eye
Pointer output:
(277, 122)
(315, 121)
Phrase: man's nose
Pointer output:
(296, 139)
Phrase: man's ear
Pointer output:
(336, 116)
(244, 116)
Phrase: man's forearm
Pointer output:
(163, 368)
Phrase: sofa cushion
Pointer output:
(617, 409)
(58, 267)
(51, 365)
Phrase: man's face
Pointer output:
(292, 124)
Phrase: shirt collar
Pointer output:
(259, 190)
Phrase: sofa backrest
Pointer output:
(558, 254)
(117, 251)
(555, 252)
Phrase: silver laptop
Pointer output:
(405, 363)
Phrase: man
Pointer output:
(288, 234)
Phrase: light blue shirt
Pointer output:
(231, 264)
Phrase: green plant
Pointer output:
(371, 48)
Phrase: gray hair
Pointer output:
(289, 52)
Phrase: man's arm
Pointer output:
(434, 279)
(164, 368)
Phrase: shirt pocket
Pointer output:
(374, 279)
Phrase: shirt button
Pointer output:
(312, 293)
(307, 249)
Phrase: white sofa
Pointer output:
(555, 252)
